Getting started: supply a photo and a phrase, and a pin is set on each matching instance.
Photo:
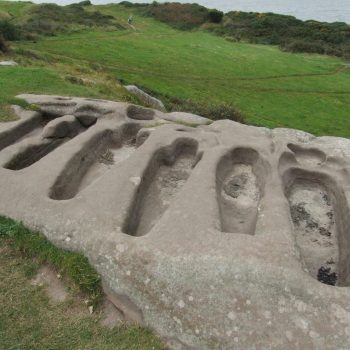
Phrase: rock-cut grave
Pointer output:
(217, 236)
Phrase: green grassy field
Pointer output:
(270, 87)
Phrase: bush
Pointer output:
(126, 3)
(181, 16)
(305, 46)
(3, 45)
(290, 33)
(136, 4)
(8, 30)
(85, 3)
(49, 19)
(215, 16)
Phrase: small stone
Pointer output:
(181, 304)
(289, 335)
(231, 315)
(120, 248)
(135, 180)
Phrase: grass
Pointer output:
(270, 87)
(290, 33)
(37, 73)
(15, 8)
(36, 323)
(7, 114)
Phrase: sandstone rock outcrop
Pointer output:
(223, 236)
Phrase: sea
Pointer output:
(321, 10)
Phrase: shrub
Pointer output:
(211, 111)
(288, 32)
(136, 4)
(215, 16)
(85, 3)
(3, 45)
(8, 30)
(305, 46)
(49, 19)
(181, 16)
(126, 3)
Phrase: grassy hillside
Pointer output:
(270, 87)
(27, 21)
(288, 32)
(44, 75)
(14, 8)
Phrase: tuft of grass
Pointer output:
(23, 103)
(73, 265)
(7, 114)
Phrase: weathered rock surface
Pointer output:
(186, 118)
(146, 98)
(223, 236)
